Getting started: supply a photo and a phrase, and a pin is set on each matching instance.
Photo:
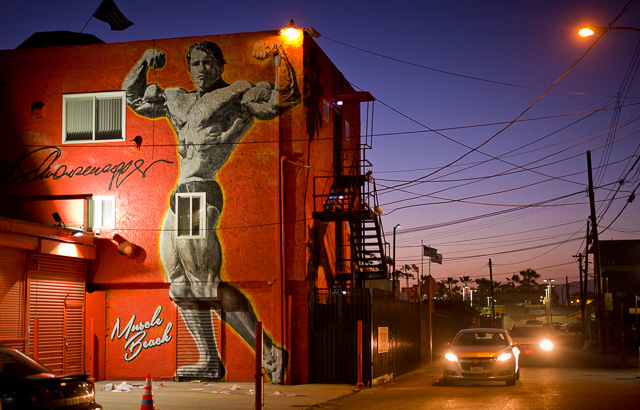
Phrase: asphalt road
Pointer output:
(577, 380)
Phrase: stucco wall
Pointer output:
(267, 184)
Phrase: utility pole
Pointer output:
(582, 295)
(567, 290)
(493, 307)
(602, 326)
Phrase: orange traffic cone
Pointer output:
(147, 397)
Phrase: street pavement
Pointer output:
(236, 395)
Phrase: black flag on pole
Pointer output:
(109, 13)
(427, 251)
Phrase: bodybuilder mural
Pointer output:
(209, 122)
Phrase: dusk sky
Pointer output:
(485, 112)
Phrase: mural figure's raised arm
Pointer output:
(146, 99)
(267, 100)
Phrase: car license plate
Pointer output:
(477, 369)
(528, 352)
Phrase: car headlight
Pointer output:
(546, 345)
(504, 357)
(451, 357)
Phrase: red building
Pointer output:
(215, 181)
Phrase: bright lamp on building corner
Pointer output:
(291, 32)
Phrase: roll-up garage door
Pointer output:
(188, 353)
(12, 298)
(56, 299)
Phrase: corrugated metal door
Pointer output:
(12, 298)
(188, 353)
(56, 298)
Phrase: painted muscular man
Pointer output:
(209, 122)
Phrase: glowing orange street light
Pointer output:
(586, 32)
(591, 30)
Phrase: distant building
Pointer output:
(620, 268)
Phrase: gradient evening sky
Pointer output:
(450, 76)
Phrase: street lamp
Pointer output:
(548, 293)
(589, 31)
(393, 272)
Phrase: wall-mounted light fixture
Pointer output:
(58, 220)
(125, 247)
(313, 32)
(291, 32)
(73, 231)
(356, 96)
(137, 141)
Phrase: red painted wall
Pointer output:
(274, 165)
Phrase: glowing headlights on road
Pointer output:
(504, 357)
(546, 345)
(451, 357)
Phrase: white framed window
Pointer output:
(191, 218)
(101, 212)
(347, 132)
(92, 117)
(325, 110)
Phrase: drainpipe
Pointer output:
(282, 279)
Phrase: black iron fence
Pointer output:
(391, 336)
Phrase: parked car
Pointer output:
(27, 384)
(571, 328)
(481, 355)
(534, 341)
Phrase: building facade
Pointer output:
(195, 169)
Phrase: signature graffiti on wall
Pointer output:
(135, 334)
(41, 164)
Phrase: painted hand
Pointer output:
(155, 58)
(263, 50)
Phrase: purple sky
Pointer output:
(465, 69)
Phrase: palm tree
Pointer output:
(442, 289)
(528, 281)
(513, 281)
(450, 282)
(405, 272)
(510, 287)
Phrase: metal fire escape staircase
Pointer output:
(352, 198)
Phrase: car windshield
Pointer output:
(15, 363)
(480, 339)
(532, 332)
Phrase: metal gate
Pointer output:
(333, 338)
(12, 298)
(391, 336)
(396, 334)
(187, 350)
(56, 301)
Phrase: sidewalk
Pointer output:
(215, 395)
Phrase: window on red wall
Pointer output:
(91, 117)
(190, 215)
(101, 212)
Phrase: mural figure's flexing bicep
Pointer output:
(146, 99)
(267, 99)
